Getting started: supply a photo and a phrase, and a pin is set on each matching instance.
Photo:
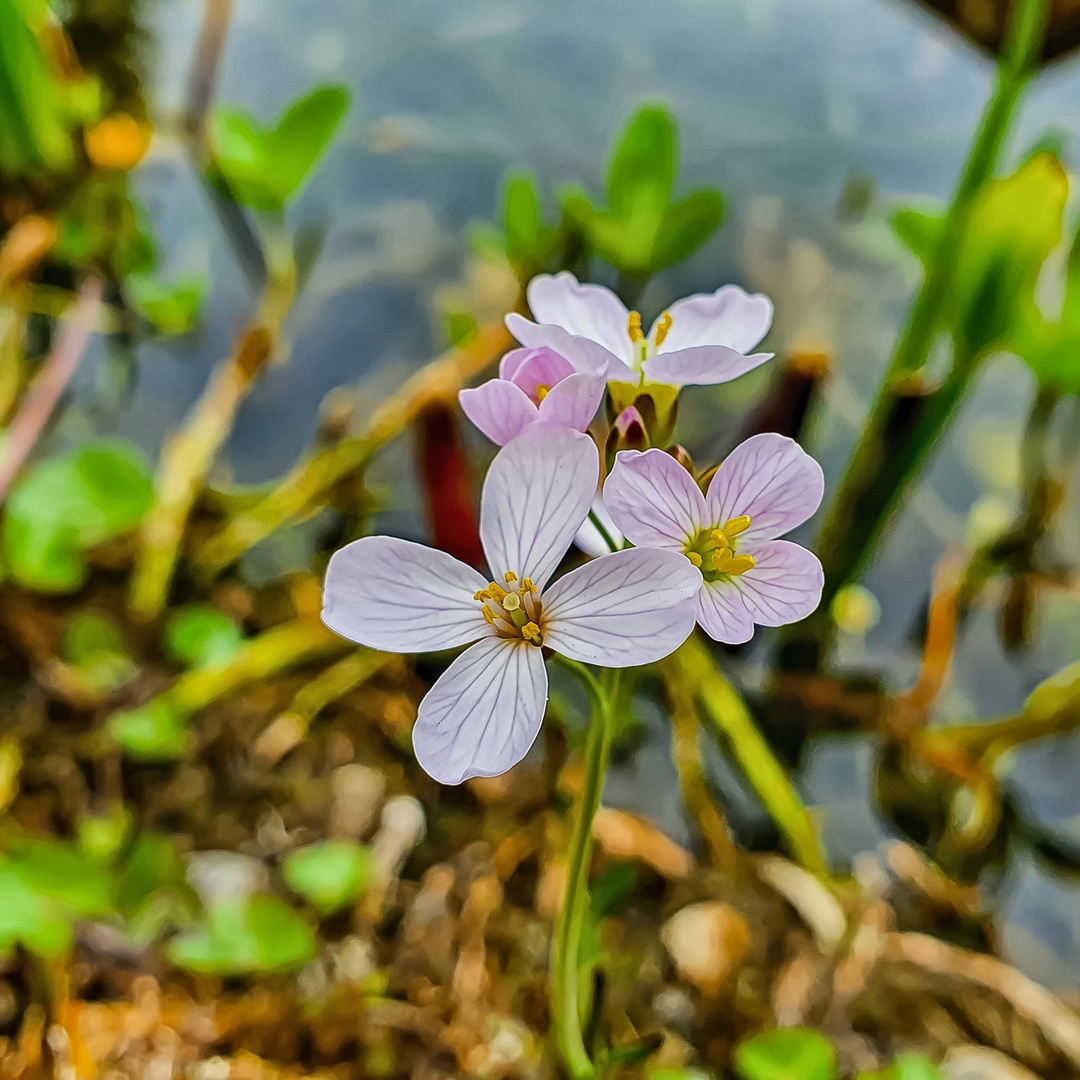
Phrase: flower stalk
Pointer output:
(890, 453)
(566, 1002)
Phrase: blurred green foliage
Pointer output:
(786, 1054)
(69, 503)
(94, 645)
(201, 635)
(329, 874)
(265, 167)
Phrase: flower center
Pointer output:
(515, 613)
(542, 392)
(640, 342)
(712, 551)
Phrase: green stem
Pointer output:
(566, 945)
(604, 534)
(890, 452)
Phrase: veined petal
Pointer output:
(588, 311)
(584, 353)
(771, 478)
(541, 367)
(511, 361)
(624, 609)
(703, 365)
(589, 538)
(654, 500)
(722, 613)
(403, 597)
(573, 402)
(499, 409)
(483, 713)
(536, 495)
(728, 316)
(783, 586)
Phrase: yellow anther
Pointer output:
(633, 327)
(736, 525)
(509, 576)
(662, 328)
(542, 391)
(694, 557)
(528, 586)
(740, 564)
(718, 537)
(722, 558)
(511, 602)
(495, 591)
(531, 633)
(489, 616)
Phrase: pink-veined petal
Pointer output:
(542, 367)
(621, 610)
(588, 311)
(585, 354)
(703, 365)
(499, 409)
(403, 597)
(483, 713)
(728, 316)
(573, 402)
(722, 613)
(654, 500)
(536, 495)
(771, 478)
(511, 361)
(783, 586)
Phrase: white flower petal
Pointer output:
(588, 311)
(499, 409)
(403, 597)
(771, 478)
(728, 316)
(624, 609)
(722, 613)
(783, 586)
(573, 402)
(585, 354)
(483, 713)
(704, 365)
(589, 538)
(654, 500)
(536, 495)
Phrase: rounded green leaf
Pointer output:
(330, 874)
(786, 1054)
(156, 731)
(202, 635)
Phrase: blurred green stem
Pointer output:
(188, 456)
(904, 421)
(730, 718)
(566, 1015)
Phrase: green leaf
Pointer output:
(528, 241)
(329, 874)
(687, 225)
(201, 635)
(172, 307)
(30, 919)
(156, 731)
(153, 892)
(1052, 351)
(460, 326)
(245, 936)
(59, 872)
(918, 231)
(1014, 225)
(642, 169)
(67, 504)
(786, 1054)
(101, 836)
(93, 644)
(265, 167)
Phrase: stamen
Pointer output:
(694, 557)
(511, 602)
(510, 576)
(542, 392)
(489, 616)
(531, 633)
(633, 327)
(740, 564)
(722, 559)
(662, 328)
(528, 586)
(718, 537)
(736, 525)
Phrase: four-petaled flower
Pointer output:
(534, 386)
(699, 339)
(765, 487)
(482, 715)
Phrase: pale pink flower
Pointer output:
(484, 712)
(699, 339)
(766, 487)
(534, 386)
